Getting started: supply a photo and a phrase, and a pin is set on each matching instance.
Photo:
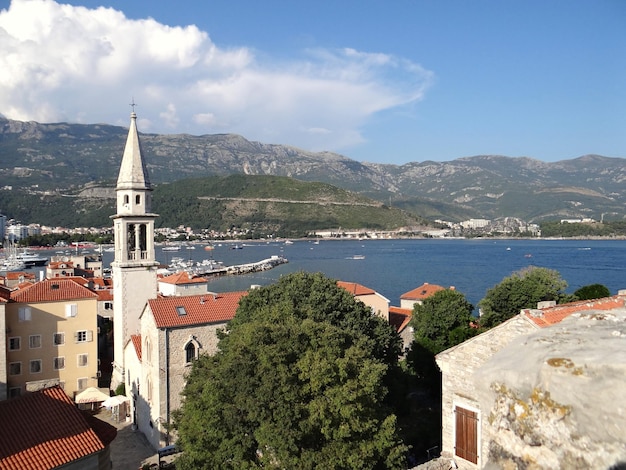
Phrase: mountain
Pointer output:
(67, 158)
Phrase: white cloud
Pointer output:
(65, 63)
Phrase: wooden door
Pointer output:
(466, 444)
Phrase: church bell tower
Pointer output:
(134, 266)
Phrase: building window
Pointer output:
(148, 390)
(59, 363)
(15, 343)
(15, 368)
(58, 339)
(190, 352)
(126, 199)
(137, 199)
(71, 310)
(24, 314)
(15, 392)
(83, 336)
(83, 383)
(466, 434)
(34, 341)
(147, 352)
(83, 360)
(108, 305)
(35, 366)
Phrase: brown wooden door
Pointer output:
(466, 444)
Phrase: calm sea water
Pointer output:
(393, 267)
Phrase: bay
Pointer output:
(393, 267)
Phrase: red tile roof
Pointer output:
(136, 339)
(422, 292)
(15, 275)
(51, 290)
(182, 278)
(399, 318)
(189, 310)
(44, 429)
(356, 289)
(552, 315)
(104, 294)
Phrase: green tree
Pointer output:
(523, 289)
(298, 382)
(442, 320)
(592, 291)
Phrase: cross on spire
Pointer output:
(133, 104)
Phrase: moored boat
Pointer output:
(31, 259)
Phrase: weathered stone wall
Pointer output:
(457, 365)
(556, 398)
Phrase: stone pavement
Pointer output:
(130, 450)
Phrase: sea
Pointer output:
(394, 267)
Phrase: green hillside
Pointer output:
(261, 204)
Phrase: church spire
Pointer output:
(133, 173)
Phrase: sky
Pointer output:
(377, 81)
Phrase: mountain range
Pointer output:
(81, 159)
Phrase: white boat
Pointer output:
(31, 259)
(171, 248)
(11, 264)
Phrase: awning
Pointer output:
(91, 395)
(116, 400)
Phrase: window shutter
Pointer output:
(71, 310)
(89, 335)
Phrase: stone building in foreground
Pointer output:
(543, 390)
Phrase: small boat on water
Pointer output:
(356, 257)
(171, 248)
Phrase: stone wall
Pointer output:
(458, 365)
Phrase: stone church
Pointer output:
(156, 337)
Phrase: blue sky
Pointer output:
(385, 82)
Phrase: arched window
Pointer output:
(146, 353)
(125, 198)
(190, 352)
(137, 199)
(148, 390)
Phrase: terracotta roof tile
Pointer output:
(136, 339)
(44, 430)
(104, 294)
(356, 289)
(399, 318)
(552, 315)
(422, 292)
(172, 312)
(15, 275)
(182, 278)
(50, 290)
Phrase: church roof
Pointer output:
(44, 429)
(136, 339)
(179, 311)
(133, 173)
